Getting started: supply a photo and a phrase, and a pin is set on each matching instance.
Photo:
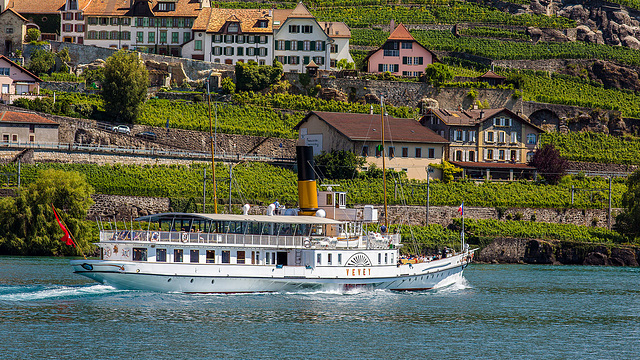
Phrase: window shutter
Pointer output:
(517, 155)
(509, 121)
(404, 60)
(380, 67)
(465, 156)
(495, 121)
(312, 46)
(464, 135)
(485, 154)
(287, 45)
(324, 45)
(507, 155)
(420, 60)
(396, 67)
(300, 45)
(451, 134)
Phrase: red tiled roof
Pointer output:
(107, 7)
(491, 75)
(490, 165)
(366, 127)
(401, 33)
(187, 8)
(212, 20)
(36, 7)
(335, 29)
(24, 118)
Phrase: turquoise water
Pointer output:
(498, 311)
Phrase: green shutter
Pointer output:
(300, 45)
(240, 51)
(287, 45)
(312, 46)
(305, 60)
(145, 21)
(324, 46)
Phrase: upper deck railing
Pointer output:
(280, 241)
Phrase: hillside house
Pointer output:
(487, 142)
(408, 147)
(21, 127)
(42, 15)
(16, 81)
(13, 28)
(401, 55)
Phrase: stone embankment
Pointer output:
(533, 251)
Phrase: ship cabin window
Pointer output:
(211, 256)
(257, 257)
(177, 255)
(161, 255)
(392, 258)
(379, 258)
(386, 258)
(282, 258)
(226, 257)
(329, 201)
(194, 256)
(253, 256)
(240, 257)
(139, 254)
(339, 259)
(329, 259)
(319, 259)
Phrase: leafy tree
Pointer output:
(628, 221)
(94, 75)
(254, 77)
(125, 85)
(345, 64)
(228, 87)
(339, 164)
(41, 62)
(448, 170)
(549, 163)
(518, 80)
(437, 74)
(33, 34)
(27, 222)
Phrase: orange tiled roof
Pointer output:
(281, 15)
(475, 116)
(107, 7)
(36, 7)
(212, 20)
(24, 118)
(185, 8)
(401, 33)
(15, 13)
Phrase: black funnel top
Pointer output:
(305, 163)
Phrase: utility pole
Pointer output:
(428, 194)
(609, 216)
(19, 172)
(204, 191)
(230, 180)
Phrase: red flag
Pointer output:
(66, 238)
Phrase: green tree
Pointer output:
(448, 170)
(628, 221)
(33, 34)
(254, 77)
(41, 62)
(549, 163)
(27, 222)
(227, 85)
(339, 164)
(345, 64)
(125, 85)
(437, 74)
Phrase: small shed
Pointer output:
(312, 69)
(491, 78)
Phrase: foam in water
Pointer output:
(31, 293)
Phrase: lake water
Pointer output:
(498, 311)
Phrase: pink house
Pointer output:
(401, 54)
(16, 81)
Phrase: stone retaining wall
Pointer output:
(125, 208)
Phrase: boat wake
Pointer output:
(43, 292)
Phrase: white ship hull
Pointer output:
(231, 278)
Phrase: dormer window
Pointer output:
(262, 23)
(73, 4)
(233, 28)
(166, 6)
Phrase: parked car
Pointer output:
(123, 129)
(148, 135)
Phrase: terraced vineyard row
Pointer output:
(261, 183)
(595, 147)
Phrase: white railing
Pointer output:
(201, 238)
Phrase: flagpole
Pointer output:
(462, 239)
(68, 231)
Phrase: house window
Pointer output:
(4, 71)
(5, 138)
(251, 51)
(262, 52)
(490, 136)
(139, 254)
(177, 255)
(68, 16)
(501, 136)
(457, 135)
(166, 6)
(307, 29)
(514, 155)
(194, 256)
(407, 45)
(233, 28)
(472, 136)
(67, 27)
(32, 128)
(405, 152)
(262, 23)
(319, 60)
(175, 37)
(211, 256)
(217, 51)
(217, 38)
(472, 155)
(365, 151)
(125, 35)
(152, 37)
(163, 37)
(198, 45)
(92, 35)
(79, 27)
(228, 39)
(140, 36)
(104, 35)
(392, 152)
(432, 153)
(379, 258)
(500, 154)
(418, 60)
(407, 60)
(489, 154)
(418, 152)
(161, 255)
(531, 139)
(529, 156)
(73, 5)
(514, 137)
(294, 60)
(294, 29)
(379, 150)
(334, 48)
(319, 45)
(306, 45)
(459, 155)
(240, 257)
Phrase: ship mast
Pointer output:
(213, 161)
(384, 172)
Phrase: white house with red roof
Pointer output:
(409, 146)
(400, 55)
(21, 127)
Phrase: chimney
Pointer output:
(204, 3)
(307, 193)
(370, 109)
(481, 114)
(392, 26)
